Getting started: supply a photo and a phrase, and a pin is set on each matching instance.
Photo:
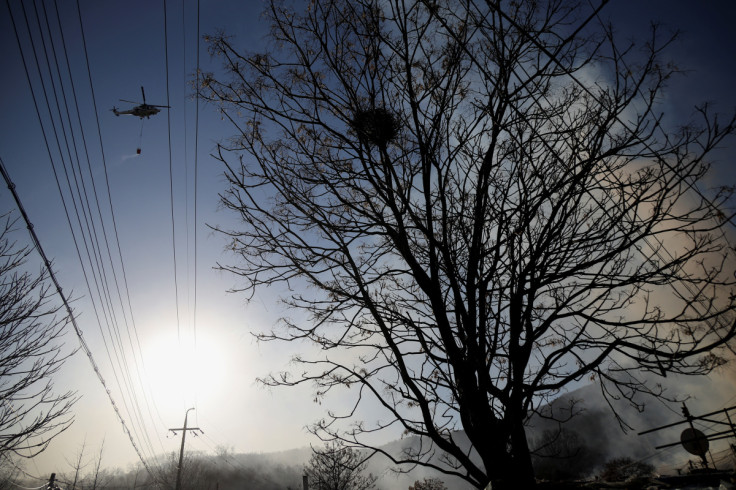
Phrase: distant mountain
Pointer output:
(379, 465)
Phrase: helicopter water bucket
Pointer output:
(138, 151)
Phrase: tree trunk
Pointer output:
(515, 470)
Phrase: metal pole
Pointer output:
(690, 418)
(733, 427)
(181, 451)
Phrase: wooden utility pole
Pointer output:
(181, 452)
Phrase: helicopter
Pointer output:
(141, 110)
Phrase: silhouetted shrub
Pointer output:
(428, 484)
(622, 469)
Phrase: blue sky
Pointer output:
(126, 49)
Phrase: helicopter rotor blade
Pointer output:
(166, 106)
(129, 101)
(143, 94)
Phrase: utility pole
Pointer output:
(695, 441)
(698, 444)
(181, 452)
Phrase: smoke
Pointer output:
(602, 432)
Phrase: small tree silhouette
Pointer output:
(337, 467)
(31, 352)
(428, 484)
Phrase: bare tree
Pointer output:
(93, 479)
(478, 203)
(10, 471)
(337, 467)
(428, 484)
(77, 465)
(623, 469)
(31, 352)
(96, 478)
(197, 472)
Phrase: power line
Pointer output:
(116, 235)
(58, 182)
(100, 275)
(192, 303)
(90, 238)
(87, 225)
(94, 239)
(171, 176)
(72, 318)
(196, 181)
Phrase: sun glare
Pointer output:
(184, 371)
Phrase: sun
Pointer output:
(182, 369)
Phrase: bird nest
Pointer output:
(375, 126)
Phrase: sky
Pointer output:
(175, 293)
